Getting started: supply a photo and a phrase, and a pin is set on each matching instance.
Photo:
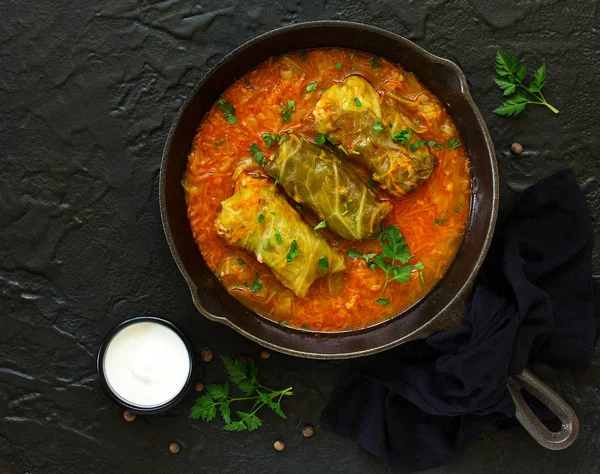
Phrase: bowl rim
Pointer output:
(423, 328)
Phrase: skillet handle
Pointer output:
(554, 440)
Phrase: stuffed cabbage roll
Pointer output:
(261, 221)
(318, 179)
(352, 113)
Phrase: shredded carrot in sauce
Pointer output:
(432, 218)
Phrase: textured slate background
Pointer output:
(87, 95)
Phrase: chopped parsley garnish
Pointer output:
(218, 276)
(442, 219)
(417, 122)
(304, 325)
(459, 208)
(357, 102)
(261, 218)
(269, 138)
(257, 154)
(343, 149)
(218, 142)
(378, 127)
(346, 210)
(241, 261)
(353, 226)
(402, 136)
(320, 225)
(375, 62)
(293, 252)
(372, 184)
(287, 110)
(353, 253)
(256, 284)
(303, 56)
(228, 111)
(311, 87)
(320, 139)
(383, 301)
(283, 323)
(246, 80)
(266, 243)
(338, 66)
(278, 237)
(351, 56)
(323, 262)
(433, 143)
(419, 266)
(452, 144)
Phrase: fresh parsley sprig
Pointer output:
(218, 397)
(510, 77)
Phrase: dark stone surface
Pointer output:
(88, 91)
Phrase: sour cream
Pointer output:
(146, 364)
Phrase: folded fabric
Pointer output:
(533, 300)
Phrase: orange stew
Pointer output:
(432, 218)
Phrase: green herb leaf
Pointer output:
(287, 110)
(261, 218)
(383, 301)
(323, 262)
(266, 243)
(218, 142)
(320, 225)
(257, 154)
(269, 138)
(357, 102)
(396, 247)
(375, 62)
(402, 273)
(303, 56)
(251, 421)
(256, 284)
(539, 79)
(343, 149)
(205, 408)
(278, 237)
(304, 325)
(311, 87)
(378, 127)
(217, 391)
(351, 56)
(458, 209)
(225, 412)
(235, 426)
(241, 261)
(372, 184)
(293, 252)
(320, 139)
(513, 106)
(403, 136)
(353, 253)
(228, 111)
(452, 144)
(338, 66)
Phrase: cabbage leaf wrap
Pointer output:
(318, 179)
(352, 114)
(260, 220)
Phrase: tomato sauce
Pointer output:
(432, 218)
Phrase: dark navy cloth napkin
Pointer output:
(533, 300)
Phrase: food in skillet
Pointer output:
(376, 135)
(318, 179)
(302, 135)
(259, 219)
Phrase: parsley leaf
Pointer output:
(304, 325)
(402, 136)
(383, 301)
(353, 253)
(261, 218)
(320, 139)
(257, 154)
(323, 262)
(357, 102)
(375, 62)
(228, 111)
(269, 138)
(218, 142)
(266, 243)
(241, 261)
(458, 209)
(287, 110)
(338, 66)
(256, 284)
(378, 127)
(509, 78)
(351, 57)
(311, 87)
(278, 237)
(452, 144)
(293, 252)
(396, 247)
(320, 225)
(372, 184)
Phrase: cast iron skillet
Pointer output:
(447, 82)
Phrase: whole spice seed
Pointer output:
(516, 148)
(199, 387)
(245, 359)
(308, 431)
(265, 354)
(174, 447)
(128, 415)
(278, 445)
(206, 355)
